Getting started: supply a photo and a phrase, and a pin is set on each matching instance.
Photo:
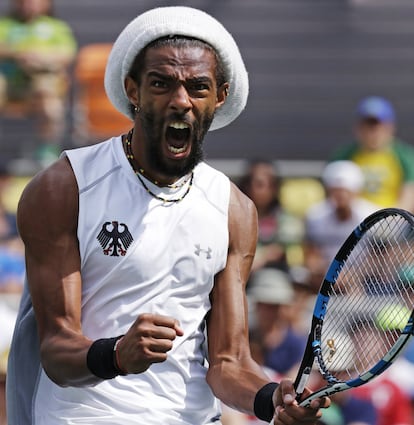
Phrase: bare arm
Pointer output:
(234, 376)
(47, 219)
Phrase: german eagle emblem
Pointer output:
(115, 241)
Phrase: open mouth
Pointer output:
(178, 137)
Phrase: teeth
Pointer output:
(179, 125)
(176, 150)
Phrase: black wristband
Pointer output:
(101, 358)
(263, 402)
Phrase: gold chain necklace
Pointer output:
(140, 172)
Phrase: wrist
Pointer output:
(117, 363)
(101, 358)
(263, 402)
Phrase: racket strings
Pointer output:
(370, 302)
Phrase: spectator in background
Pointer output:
(329, 223)
(386, 161)
(278, 229)
(272, 295)
(36, 50)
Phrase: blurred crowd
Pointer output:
(282, 288)
(294, 248)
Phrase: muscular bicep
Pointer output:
(47, 217)
(228, 318)
(47, 221)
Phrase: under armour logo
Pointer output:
(115, 242)
(199, 250)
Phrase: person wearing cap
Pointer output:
(329, 222)
(386, 161)
(272, 294)
(137, 251)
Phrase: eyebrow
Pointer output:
(194, 80)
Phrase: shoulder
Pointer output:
(51, 180)
(364, 207)
(92, 163)
(208, 175)
(345, 152)
(52, 21)
(402, 148)
(242, 214)
(241, 202)
(50, 197)
(318, 211)
(213, 185)
(405, 154)
(57, 29)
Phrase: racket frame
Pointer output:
(321, 303)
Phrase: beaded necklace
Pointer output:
(141, 172)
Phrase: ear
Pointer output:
(132, 91)
(222, 93)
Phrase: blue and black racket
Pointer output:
(363, 315)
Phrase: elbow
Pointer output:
(49, 362)
(220, 372)
(61, 368)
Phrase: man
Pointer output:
(386, 161)
(272, 294)
(36, 52)
(329, 222)
(136, 250)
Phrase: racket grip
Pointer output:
(301, 384)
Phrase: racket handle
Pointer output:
(301, 384)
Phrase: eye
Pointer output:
(198, 89)
(159, 84)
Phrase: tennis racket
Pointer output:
(363, 315)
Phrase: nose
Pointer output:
(180, 100)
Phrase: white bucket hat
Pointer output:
(177, 20)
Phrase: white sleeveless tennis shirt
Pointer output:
(140, 255)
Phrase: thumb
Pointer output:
(285, 394)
